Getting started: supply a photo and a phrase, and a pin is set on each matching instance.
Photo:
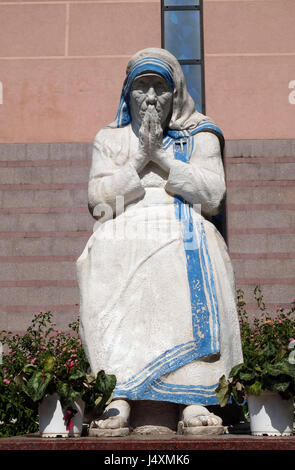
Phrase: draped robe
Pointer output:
(157, 291)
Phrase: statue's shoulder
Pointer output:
(109, 135)
(208, 133)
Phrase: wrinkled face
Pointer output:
(151, 89)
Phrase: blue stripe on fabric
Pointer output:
(169, 355)
(137, 392)
(168, 363)
(197, 277)
(182, 394)
(210, 287)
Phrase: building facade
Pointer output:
(62, 64)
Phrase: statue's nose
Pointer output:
(151, 96)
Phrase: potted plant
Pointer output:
(266, 378)
(47, 371)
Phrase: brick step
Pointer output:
(260, 194)
(260, 218)
(59, 172)
(272, 293)
(55, 151)
(47, 222)
(43, 246)
(20, 316)
(56, 294)
(262, 243)
(59, 196)
(43, 175)
(260, 148)
(44, 198)
(25, 271)
(257, 171)
(264, 268)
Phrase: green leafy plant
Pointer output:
(43, 361)
(267, 344)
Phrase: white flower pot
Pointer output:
(270, 415)
(51, 418)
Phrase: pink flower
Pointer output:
(6, 381)
(292, 339)
(33, 360)
(70, 365)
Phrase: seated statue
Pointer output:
(157, 291)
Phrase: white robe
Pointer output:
(135, 301)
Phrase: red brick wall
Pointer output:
(249, 64)
(62, 64)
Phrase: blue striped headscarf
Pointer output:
(147, 64)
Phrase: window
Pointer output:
(182, 35)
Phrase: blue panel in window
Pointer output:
(193, 77)
(182, 33)
(182, 3)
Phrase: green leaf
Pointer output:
(254, 389)
(29, 368)
(236, 369)
(90, 378)
(67, 394)
(49, 363)
(223, 391)
(281, 386)
(286, 368)
(247, 376)
(105, 383)
(98, 400)
(37, 384)
(109, 400)
(269, 369)
(77, 375)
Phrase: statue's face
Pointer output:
(151, 89)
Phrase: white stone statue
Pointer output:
(157, 292)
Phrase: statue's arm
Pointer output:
(201, 181)
(108, 180)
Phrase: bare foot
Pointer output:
(197, 415)
(115, 416)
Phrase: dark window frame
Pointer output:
(220, 221)
(192, 61)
